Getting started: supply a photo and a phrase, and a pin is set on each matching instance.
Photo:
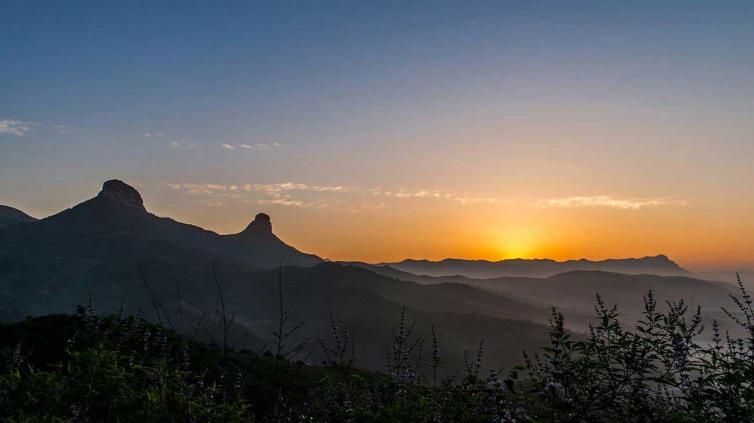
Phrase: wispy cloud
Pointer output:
(203, 189)
(312, 195)
(282, 194)
(16, 127)
(614, 202)
(253, 147)
(463, 199)
(290, 186)
(63, 129)
(283, 202)
(182, 144)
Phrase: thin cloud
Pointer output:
(323, 196)
(62, 129)
(256, 147)
(610, 201)
(253, 147)
(340, 196)
(437, 195)
(290, 186)
(203, 189)
(15, 127)
(182, 144)
(282, 202)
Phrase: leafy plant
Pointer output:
(665, 368)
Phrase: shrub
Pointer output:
(663, 369)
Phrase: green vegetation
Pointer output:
(89, 368)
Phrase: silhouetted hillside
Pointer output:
(111, 247)
(104, 244)
(118, 213)
(11, 216)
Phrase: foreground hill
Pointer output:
(11, 216)
(89, 367)
(537, 268)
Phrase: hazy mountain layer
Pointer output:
(575, 292)
(537, 268)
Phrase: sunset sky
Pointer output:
(410, 129)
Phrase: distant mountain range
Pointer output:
(575, 292)
(11, 216)
(538, 268)
(111, 247)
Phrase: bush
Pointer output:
(86, 368)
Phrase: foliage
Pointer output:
(665, 369)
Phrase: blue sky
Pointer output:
(523, 101)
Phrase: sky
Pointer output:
(379, 131)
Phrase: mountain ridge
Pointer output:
(119, 209)
(486, 269)
(11, 216)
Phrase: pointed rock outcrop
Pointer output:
(260, 225)
(122, 193)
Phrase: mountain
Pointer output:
(118, 212)
(112, 249)
(105, 243)
(257, 244)
(730, 276)
(370, 306)
(537, 268)
(11, 216)
(575, 292)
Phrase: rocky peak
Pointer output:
(260, 225)
(121, 193)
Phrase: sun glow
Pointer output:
(516, 243)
